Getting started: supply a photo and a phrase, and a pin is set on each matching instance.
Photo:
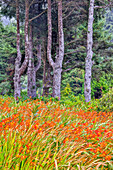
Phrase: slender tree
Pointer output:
(30, 63)
(18, 59)
(47, 77)
(88, 60)
(19, 69)
(57, 65)
(24, 65)
(31, 73)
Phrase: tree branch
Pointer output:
(106, 6)
(77, 65)
(73, 52)
(37, 16)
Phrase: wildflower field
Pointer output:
(47, 136)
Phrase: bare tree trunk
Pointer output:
(56, 81)
(57, 65)
(49, 35)
(57, 70)
(36, 69)
(31, 68)
(47, 78)
(18, 59)
(30, 64)
(19, 70)
(88, 60)
(24, 64)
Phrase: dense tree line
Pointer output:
(65, 36)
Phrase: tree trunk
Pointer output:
(49, 35)
(56, 82)
(25, 63)
(57, 70)
(31, 68)
(19, 70)
(36, 69)
(30, 64)
(47, 78)
(57, 65)
(18, 59)
(60, 34)
(88, 60)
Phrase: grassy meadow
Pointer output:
(38, 135)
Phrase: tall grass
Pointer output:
(39, 136)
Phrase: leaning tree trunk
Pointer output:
(57, 65)
(88, 60)
(19, 70)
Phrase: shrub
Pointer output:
(101, 87)
(106, 102)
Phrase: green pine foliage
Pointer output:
(76, 80)
(102, 85)
(102, 70)
(7, 57)
(106, 102)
